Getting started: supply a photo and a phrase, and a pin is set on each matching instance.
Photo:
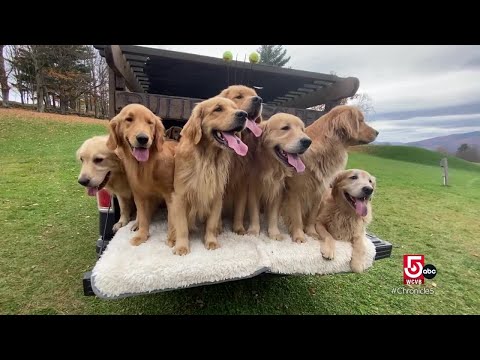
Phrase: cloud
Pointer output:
(419, 83)
(422, 127)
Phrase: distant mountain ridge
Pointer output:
(448, 142)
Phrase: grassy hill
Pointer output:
(50, 227)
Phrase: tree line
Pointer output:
(55, 78)
(469, 152)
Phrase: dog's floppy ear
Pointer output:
(347, 124)
(113, 138)
(159, 134)
(337, 179)
(193, 128)
(224, 93)
(344, 123)
(265, 129)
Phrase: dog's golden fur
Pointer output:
(338, 219)
(331, 134)
(98, 162)
(202, 168)
(173, 133)
(282, 134)
(235, 199)
(150, 179)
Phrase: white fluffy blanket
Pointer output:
(126, 270)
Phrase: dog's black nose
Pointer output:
(257, 99)
(305, 142)
(142, 139)
(84, 181)
(376, 132)
(241, 114)
(367, 190)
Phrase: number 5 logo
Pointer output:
(413, 269)
(414, 266)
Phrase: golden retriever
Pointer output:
(345, 212)
(235, 199)
(138, 137)
(331, 134)
(101, 168)
(275, 158)
(202, 165)
(173, 133)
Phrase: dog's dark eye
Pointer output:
(218, 109)
(239, 97)
(370, 181)
(149, 122)
(97, 160)
(81, 159)
(354, 177)
(286, 128)
(128, 119)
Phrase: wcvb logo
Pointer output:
(415, 271)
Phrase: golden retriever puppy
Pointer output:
(331, 134)
(101, 168)
(173, 133)
(235, 200)
(137, 136)
(345, 213)
(202, 165)
(276, 157)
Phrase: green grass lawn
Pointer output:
(50, 227)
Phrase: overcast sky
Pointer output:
(418, 91)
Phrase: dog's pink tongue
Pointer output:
(296, 162)
(361, 207)
(235, 143)
(92, 191)
(254, 128)
(141, 154)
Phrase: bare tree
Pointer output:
(98, 92)
(363, 101)
(4, 79)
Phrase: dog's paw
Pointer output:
(212, 245)
(299, 239)
(134, 226)
(171, 242)
(328, 252)
(181, 250)
(138, 240)
(276, 235)
(253, 230)
(240, 230)
(118, 225)
(357, 265)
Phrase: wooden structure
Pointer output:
(170, 83)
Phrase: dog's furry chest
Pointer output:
(118, 184)
(270, 183)
(343, 226)
(204, 182)
(157, 174)
(318, 175)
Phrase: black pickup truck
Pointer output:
(170, 83)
